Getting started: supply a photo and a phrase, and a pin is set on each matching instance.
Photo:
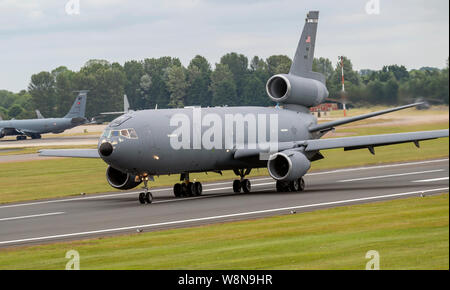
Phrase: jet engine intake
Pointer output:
(120, 180)
(291, 89)
(288, 165)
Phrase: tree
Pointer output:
(134, 71)
(199, 80)
(15, 111)
(238, 65)
(223, 87)
(177, 85)
(278, 64)
(42, 90)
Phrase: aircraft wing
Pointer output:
(329, 125)
(75, 153)
(351, 143)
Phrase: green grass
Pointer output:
(35, 150)
(408, 234)
(52, 178)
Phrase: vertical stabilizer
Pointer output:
(304, 56)
(126, 104)
(39, 115)
(78, 109)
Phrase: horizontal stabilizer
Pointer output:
(330, 125)
(74, 153)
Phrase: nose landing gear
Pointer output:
(145, 197)
(242, 184)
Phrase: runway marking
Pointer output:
(332, 203)
(212, 184)
(390, 175)
(30, 216)
(432, 180)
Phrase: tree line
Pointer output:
(234, 81)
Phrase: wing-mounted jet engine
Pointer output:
(301, 86)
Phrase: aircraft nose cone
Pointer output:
(106, 149)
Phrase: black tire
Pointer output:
(190, 189)
(246, 185)
(294, 186)
(142, 197)
(281, 186)
(198, 188)
(184, 189)
(148, 198)
(302, 184)
(237, 186)
(177, 190)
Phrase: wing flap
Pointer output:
(74, 153)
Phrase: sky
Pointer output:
(40, 35)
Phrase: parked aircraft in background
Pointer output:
(285, 139)
(34, 128)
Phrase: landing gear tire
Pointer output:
(237, 186)
(246, 185)
(177, 190)
(184, 190)
(282, 187)
(302, 184)
(142, 197)
(190, 189)
(294, 186)
(198, 189)
(21, 137)
(148, 198)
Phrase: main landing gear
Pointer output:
(297, 185)
(187, 188)
(21, 137)
(145, 197)
(242, 184)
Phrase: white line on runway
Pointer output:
(212, 184)
(391, 175)
(332, 203)
(30, 216)
(432, 180)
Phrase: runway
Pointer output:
(110, 214)
(49, 140)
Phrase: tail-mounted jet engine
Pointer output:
(121, 180)
(288, 165)
(292, 89)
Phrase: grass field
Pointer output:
(408, 234)
(33, 180)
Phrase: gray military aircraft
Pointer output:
(35, 127)
(285, 139)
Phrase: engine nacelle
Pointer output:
(291, 89)
(2, 133)
(288, 165)
(120, 180)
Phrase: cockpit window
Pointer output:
(106, 133)
(132, 133)
(126, 133)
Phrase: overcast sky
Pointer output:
(37, 35)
